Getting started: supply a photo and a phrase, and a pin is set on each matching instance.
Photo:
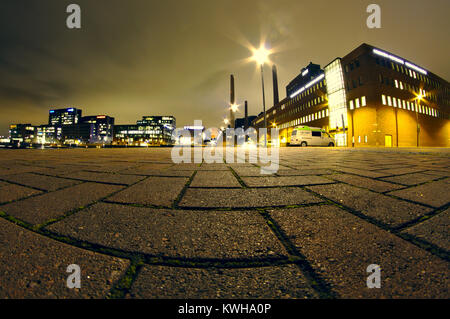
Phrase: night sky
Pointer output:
(174, 57)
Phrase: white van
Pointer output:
(311, 136)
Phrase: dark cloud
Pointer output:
(134, 58)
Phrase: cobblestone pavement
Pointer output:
(140, 226)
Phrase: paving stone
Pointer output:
(250, 197)
(34, 266)
(148, 167)
(186, 234)
(411, 179)
(372, 184)
(213, 167)
(144, 171)
(38, 209)
(301, 172)
(388, 210)
(43, 182)
(18, 169)
(215, 179)
(282, 282)
(341, 246)
(365, 173)
(434, 230)
(400, 171)
(105, 177)
(185, 167)
(445, 173)
(435, 194)
(109, 167)
(252, 171)
(11, 192)
(285, 181)
(157, 191)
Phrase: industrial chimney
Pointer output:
(246, 116)
(232, 101)
(276, 97)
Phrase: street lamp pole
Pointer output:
(261, 56)
(264, 104)
(419, 99)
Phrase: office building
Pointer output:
(370, 97)
(61, 117)
(150, 131)
(20, 134)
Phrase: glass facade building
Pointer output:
(150, 131)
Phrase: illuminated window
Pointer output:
(396, 84)
(363, 101)
(351, 105)
(383, 99)
(395, 102)
(389, 101)
(407, 105)
(357, 103)
(401, 85)
(359, 139)
(365, 138)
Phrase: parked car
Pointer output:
(311, 136)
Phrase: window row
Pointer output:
(306, 119)
(410, 106)
(351, 66)
(353, 84)
(366, 140)
(304, 106)
(404, 70)
(305, 93)
(357, 103)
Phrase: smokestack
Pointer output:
(276, 97)
(246, 116)
(232, 101)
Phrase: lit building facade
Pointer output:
(97, 129)
(150, 131)
(69, 116)
(370, 97)
(20, 134)
(48, 134)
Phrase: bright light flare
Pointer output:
(234, 108)
(261, 55)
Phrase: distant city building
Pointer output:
(97, 129)
(21, 133)
(48, 134)
(369, 97)
(150, 131)
(102, 128)
(67, 116)
(240, 123)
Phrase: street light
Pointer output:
(419, 99)
(234, 108)
(261, 56)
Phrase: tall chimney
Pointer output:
(276, 97)
(232, 101)
(246, 116)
